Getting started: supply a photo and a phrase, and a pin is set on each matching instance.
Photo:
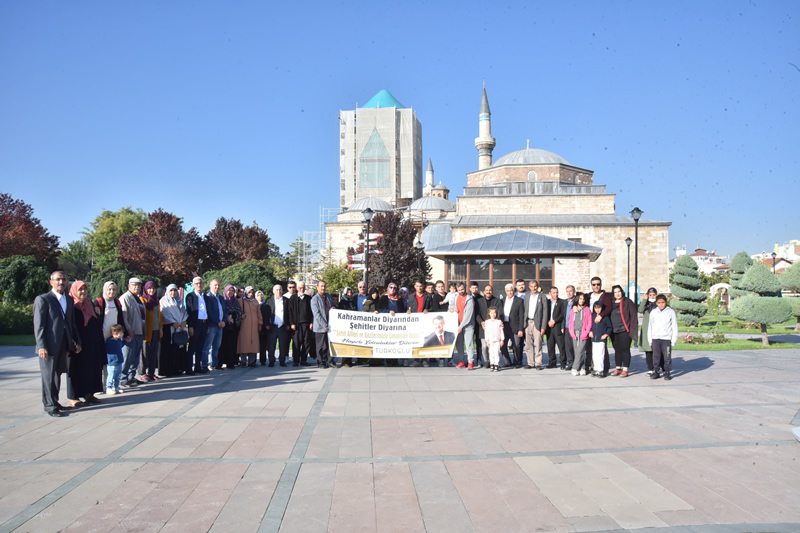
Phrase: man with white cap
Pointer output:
(133, 314)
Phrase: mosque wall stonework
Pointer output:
(562, 173)
(588, 204)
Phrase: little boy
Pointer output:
(114, 351)
(599, 334)
(662, 334)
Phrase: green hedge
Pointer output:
(16, 319)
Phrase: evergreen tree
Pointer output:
(23, 278)
(686, 286)
(761, 305)
(739, 265)
(790, 280)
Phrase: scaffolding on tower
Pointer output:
(314, 251)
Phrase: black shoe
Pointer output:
(283, 364)
(190, 372)
(551, 366)
(132, 382)
(202, 371)
(667, 377)
(540, 367)
(655, 375)
(296, 364)
(306, 364)
(271, 364)
(55, 414)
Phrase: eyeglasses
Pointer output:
(595, 284)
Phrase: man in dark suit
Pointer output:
(483, 304)
(216, 323)
(301, 322)
(555, 321)
(197, 308)
(278, 327)
(512, 313)
(419, 301)
(535, 314)
(56, 334)
(439, 336)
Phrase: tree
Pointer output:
(106, 228)
(709, 280)
(337, 276)
(790, 280)
(256, 273)
(23, 234)
(23, 278)
(76, 260)
(761, 305)
(230, 242)
(115, 271)
(686, 284)
(398, 262)
(162, 249)
(739, 265)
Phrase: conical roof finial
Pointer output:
(485, 102)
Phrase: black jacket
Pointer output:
(300, 310)
(481, 310)
(558, 316)
(412, 302)
(516, 318)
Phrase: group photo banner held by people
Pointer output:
(402, 336)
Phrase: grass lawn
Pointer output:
(17, 340)
(732, 344)
(724, 324)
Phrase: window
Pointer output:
(497, 272)
(574, 239)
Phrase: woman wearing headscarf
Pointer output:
(252, 322)
(228, 355)
(85, 369)
(173, 327)
(152, 331)
(347, 302)
(109, 311)
(263, 335)
(391, 303)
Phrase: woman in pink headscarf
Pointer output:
(85, 369)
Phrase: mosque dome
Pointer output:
(432, 203)
(376, 204)
(530, 156)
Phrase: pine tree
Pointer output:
(739, 265)
(761, 305)
(790, 280)
(686, 287)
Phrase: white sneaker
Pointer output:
(111, 392)
(574, 372)
(120, 391)
(649, 372)
(582, 372)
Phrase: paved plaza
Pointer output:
(411, 449)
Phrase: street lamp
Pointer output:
(629, 241)
(636, 213)
(367, 216)
(774, 255)
(419, 246)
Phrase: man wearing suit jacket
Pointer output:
(197, 308)
(56, 334)
(301, 323)
(216, 323)
(133, 314)
(535, 313)
(512, 313)
(419, 301)
(481, 314)
(555, 321)
(439, 337)
(321, 305)
(278, 327)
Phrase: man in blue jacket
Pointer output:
(197, 307)
(216, 322)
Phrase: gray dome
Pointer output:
(376, 204)
(432, 203)
(530, 156)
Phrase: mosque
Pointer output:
(530, 214)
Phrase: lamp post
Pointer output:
(629, 241)
(636, 213)
(367, 216)
(774, 255)
(419, 246)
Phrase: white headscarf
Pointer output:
(173, 309)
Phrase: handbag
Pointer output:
(180, 337)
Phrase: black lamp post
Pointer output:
(636, 213)
(367, 216)
(419, 246)
(629, 241)
(774, 255)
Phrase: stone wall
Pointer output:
(562, 173)
(589, 204)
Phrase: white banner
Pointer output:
(381, 335)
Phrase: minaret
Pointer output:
(426, 191)
(485, 143)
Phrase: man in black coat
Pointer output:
(301, 322)
(555, 322)
(512, 313)
(56, 334)
(278, 326)
(483, 304)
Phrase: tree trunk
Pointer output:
(764, 336)
(797, 327)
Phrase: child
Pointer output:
(580, 325)
(662, 334)
(114, 351)
(450, 299)
(599, 334)
(493, 332)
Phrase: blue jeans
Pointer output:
(211, 347)
(112, 382)
(131, 352)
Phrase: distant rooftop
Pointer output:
(384, 99)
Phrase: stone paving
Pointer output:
(411, 449)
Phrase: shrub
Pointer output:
(761, 305)
(23, 278)
(685, 287)
(16, 319)
(739, 265)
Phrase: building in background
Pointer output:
(707, 262)
(380, 153)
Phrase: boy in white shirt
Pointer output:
(662, 334)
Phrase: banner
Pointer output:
(403, 336)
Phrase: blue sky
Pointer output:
(687, 109)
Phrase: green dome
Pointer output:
(384, 99)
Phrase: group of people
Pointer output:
(113, 342)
